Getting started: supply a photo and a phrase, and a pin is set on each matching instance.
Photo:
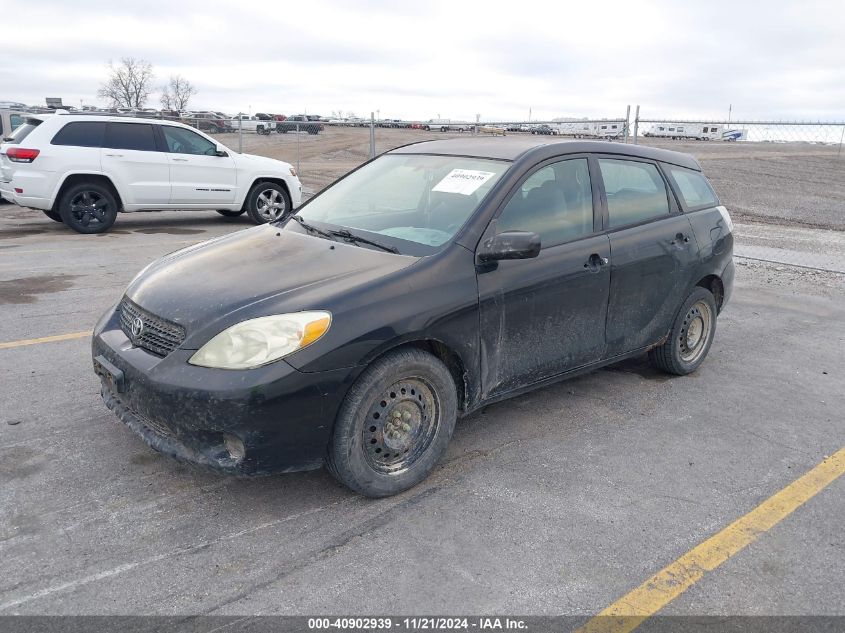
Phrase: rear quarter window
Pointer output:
(20, 132)
(81, 134)
(693, 188)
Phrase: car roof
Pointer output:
(511, 148)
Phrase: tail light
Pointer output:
(22, 155)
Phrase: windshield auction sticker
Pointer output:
(463, 181)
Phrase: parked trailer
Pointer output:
(591, 129)
(689, 131)
(446, 125)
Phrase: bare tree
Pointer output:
(176, 94)
(129, 83)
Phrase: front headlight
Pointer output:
(263, 340)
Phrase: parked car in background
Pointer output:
(618, 250)
(9, 120)
(83, 169)
(301, 123)
(209, 122)
(544, 129)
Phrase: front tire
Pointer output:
(690, 337)
(267, 202)
(394, 424)
(88, 208)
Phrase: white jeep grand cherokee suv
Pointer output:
(83, 169)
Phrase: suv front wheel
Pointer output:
(267, 202)
(88, 207)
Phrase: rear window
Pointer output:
(23, 130)
(693, 187)
(137, 136)
(81, 134)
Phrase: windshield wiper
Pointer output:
(351, 237)
(312, 229)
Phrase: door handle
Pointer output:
(180, 160)
(595, 262)
(115, 155)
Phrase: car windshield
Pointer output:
(414, 203)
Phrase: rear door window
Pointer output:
(693, 187)
(81, 134)
(136, 136)
(635, 191)
(20, 132)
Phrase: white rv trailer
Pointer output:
(591, 129)
(692, 131)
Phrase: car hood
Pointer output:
(252, 273)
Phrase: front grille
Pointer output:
(157, 335)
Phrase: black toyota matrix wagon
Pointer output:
(438, 278)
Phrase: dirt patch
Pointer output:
(28, 289)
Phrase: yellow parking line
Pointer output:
(632, 609)
(44, 339)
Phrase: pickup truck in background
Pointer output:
(299, 122)
(258, 123)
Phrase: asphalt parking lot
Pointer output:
(556, 502)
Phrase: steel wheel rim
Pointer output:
(695, 331)
(400, 425)
(87, 207)
(270, 204)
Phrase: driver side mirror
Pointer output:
(510, 245)
(221, 152)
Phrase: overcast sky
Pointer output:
(421, 59)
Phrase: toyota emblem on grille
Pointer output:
(137, 327)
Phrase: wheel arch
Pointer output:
(444, 353)
(714, 284)
(72, 179)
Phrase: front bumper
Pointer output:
(280, 419)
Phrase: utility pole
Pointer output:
(730, 107)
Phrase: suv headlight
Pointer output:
(260, 341)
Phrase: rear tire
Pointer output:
(691, 335)
(88, 207)
(52, 215)
(267, 202)
(394, 424)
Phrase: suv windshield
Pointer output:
(413, 202)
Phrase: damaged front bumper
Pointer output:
(270, 419)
